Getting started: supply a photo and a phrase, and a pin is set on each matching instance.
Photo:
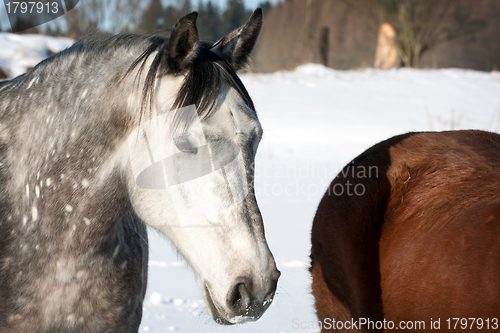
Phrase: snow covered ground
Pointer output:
(315, 121)
(19, 53)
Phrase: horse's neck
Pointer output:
(67, 203)
(63, 163)
(4, 84)
(63, 129)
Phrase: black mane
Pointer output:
(204, 75)
(203, 80)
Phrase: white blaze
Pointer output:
(202, 183)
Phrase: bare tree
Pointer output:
(124, 15)
(151, 17)
(113, 16)
(420, 25)
(209, 21)
(88, 15)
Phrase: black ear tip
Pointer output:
(190, 17)
(257, 13)
(256, 18)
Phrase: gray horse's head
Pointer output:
(190, 165)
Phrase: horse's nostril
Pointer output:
(240, 298)
(248, 300)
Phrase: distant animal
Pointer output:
(100, 140)
(416, 240)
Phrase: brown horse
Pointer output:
(408, 237)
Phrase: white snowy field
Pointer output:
(315, 121)
(19, 53)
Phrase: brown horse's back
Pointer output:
(419, 240)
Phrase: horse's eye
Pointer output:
(186, 144)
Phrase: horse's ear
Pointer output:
(237, 45)
(183, 44)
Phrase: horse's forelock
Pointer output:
(203, 79)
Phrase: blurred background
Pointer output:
(341, 34)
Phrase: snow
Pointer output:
(155, 298)
(315, 121)
(19, 53)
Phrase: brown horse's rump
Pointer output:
(419, 240)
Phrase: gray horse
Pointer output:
(110, 135)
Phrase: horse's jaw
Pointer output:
(214, 311)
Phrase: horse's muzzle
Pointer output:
(244, 301)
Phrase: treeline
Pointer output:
(148, 16)
(343, 34)
(213, 22)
